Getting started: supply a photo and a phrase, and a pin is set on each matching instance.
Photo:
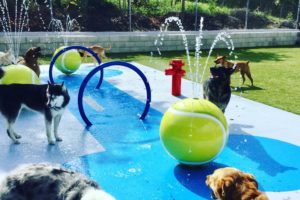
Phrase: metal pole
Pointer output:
(246, 17)
(298, 12)
(196, 14)
(129, 14)
(182, 9)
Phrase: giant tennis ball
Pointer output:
(19, 74)
(194, 131)
(68, 62)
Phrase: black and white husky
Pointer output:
(48, 182)
(48, 99)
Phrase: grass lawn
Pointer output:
(275, 72)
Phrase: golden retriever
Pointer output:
(232, 184)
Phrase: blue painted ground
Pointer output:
(135, 165)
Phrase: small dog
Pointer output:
(242, 66)
(6, 58)
(100, 51)
(48, 99)
(47, 182)
(232, 184)
(217, 88)
(31, 59)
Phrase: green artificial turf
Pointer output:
(275, 72)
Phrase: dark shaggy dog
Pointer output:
(31, 59)
(46, 182)
(217, 88)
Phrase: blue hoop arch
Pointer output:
(53, 60)
(100, 68)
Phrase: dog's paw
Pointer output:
(18, 136)
(58, 139)
(16, 142)
(51, 142)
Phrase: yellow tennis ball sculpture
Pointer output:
(19, 74)
(68, 62)
(194, 131)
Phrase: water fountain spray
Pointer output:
(194, 75)
(164, 28)
(57, 26)
(222, 36)
(13, 26)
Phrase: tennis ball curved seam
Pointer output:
(68, 62)
(207, 116)
(64, 60)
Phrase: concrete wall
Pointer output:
(144, 41)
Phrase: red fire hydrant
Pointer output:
(177, 73)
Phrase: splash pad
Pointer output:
(100, 69)
(120, 149)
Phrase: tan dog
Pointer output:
(232, 184)
(242, 66)
(31, 59)
(100, 51)
(6, 58)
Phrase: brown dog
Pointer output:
(232, 184)
(99, 50)
(31, 59)
(242, 66)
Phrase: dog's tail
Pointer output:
(108, 48)
(1, 72)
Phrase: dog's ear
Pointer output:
(226, 187)
(207, 181)
(250, 178)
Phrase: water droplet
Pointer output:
(132, 170)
